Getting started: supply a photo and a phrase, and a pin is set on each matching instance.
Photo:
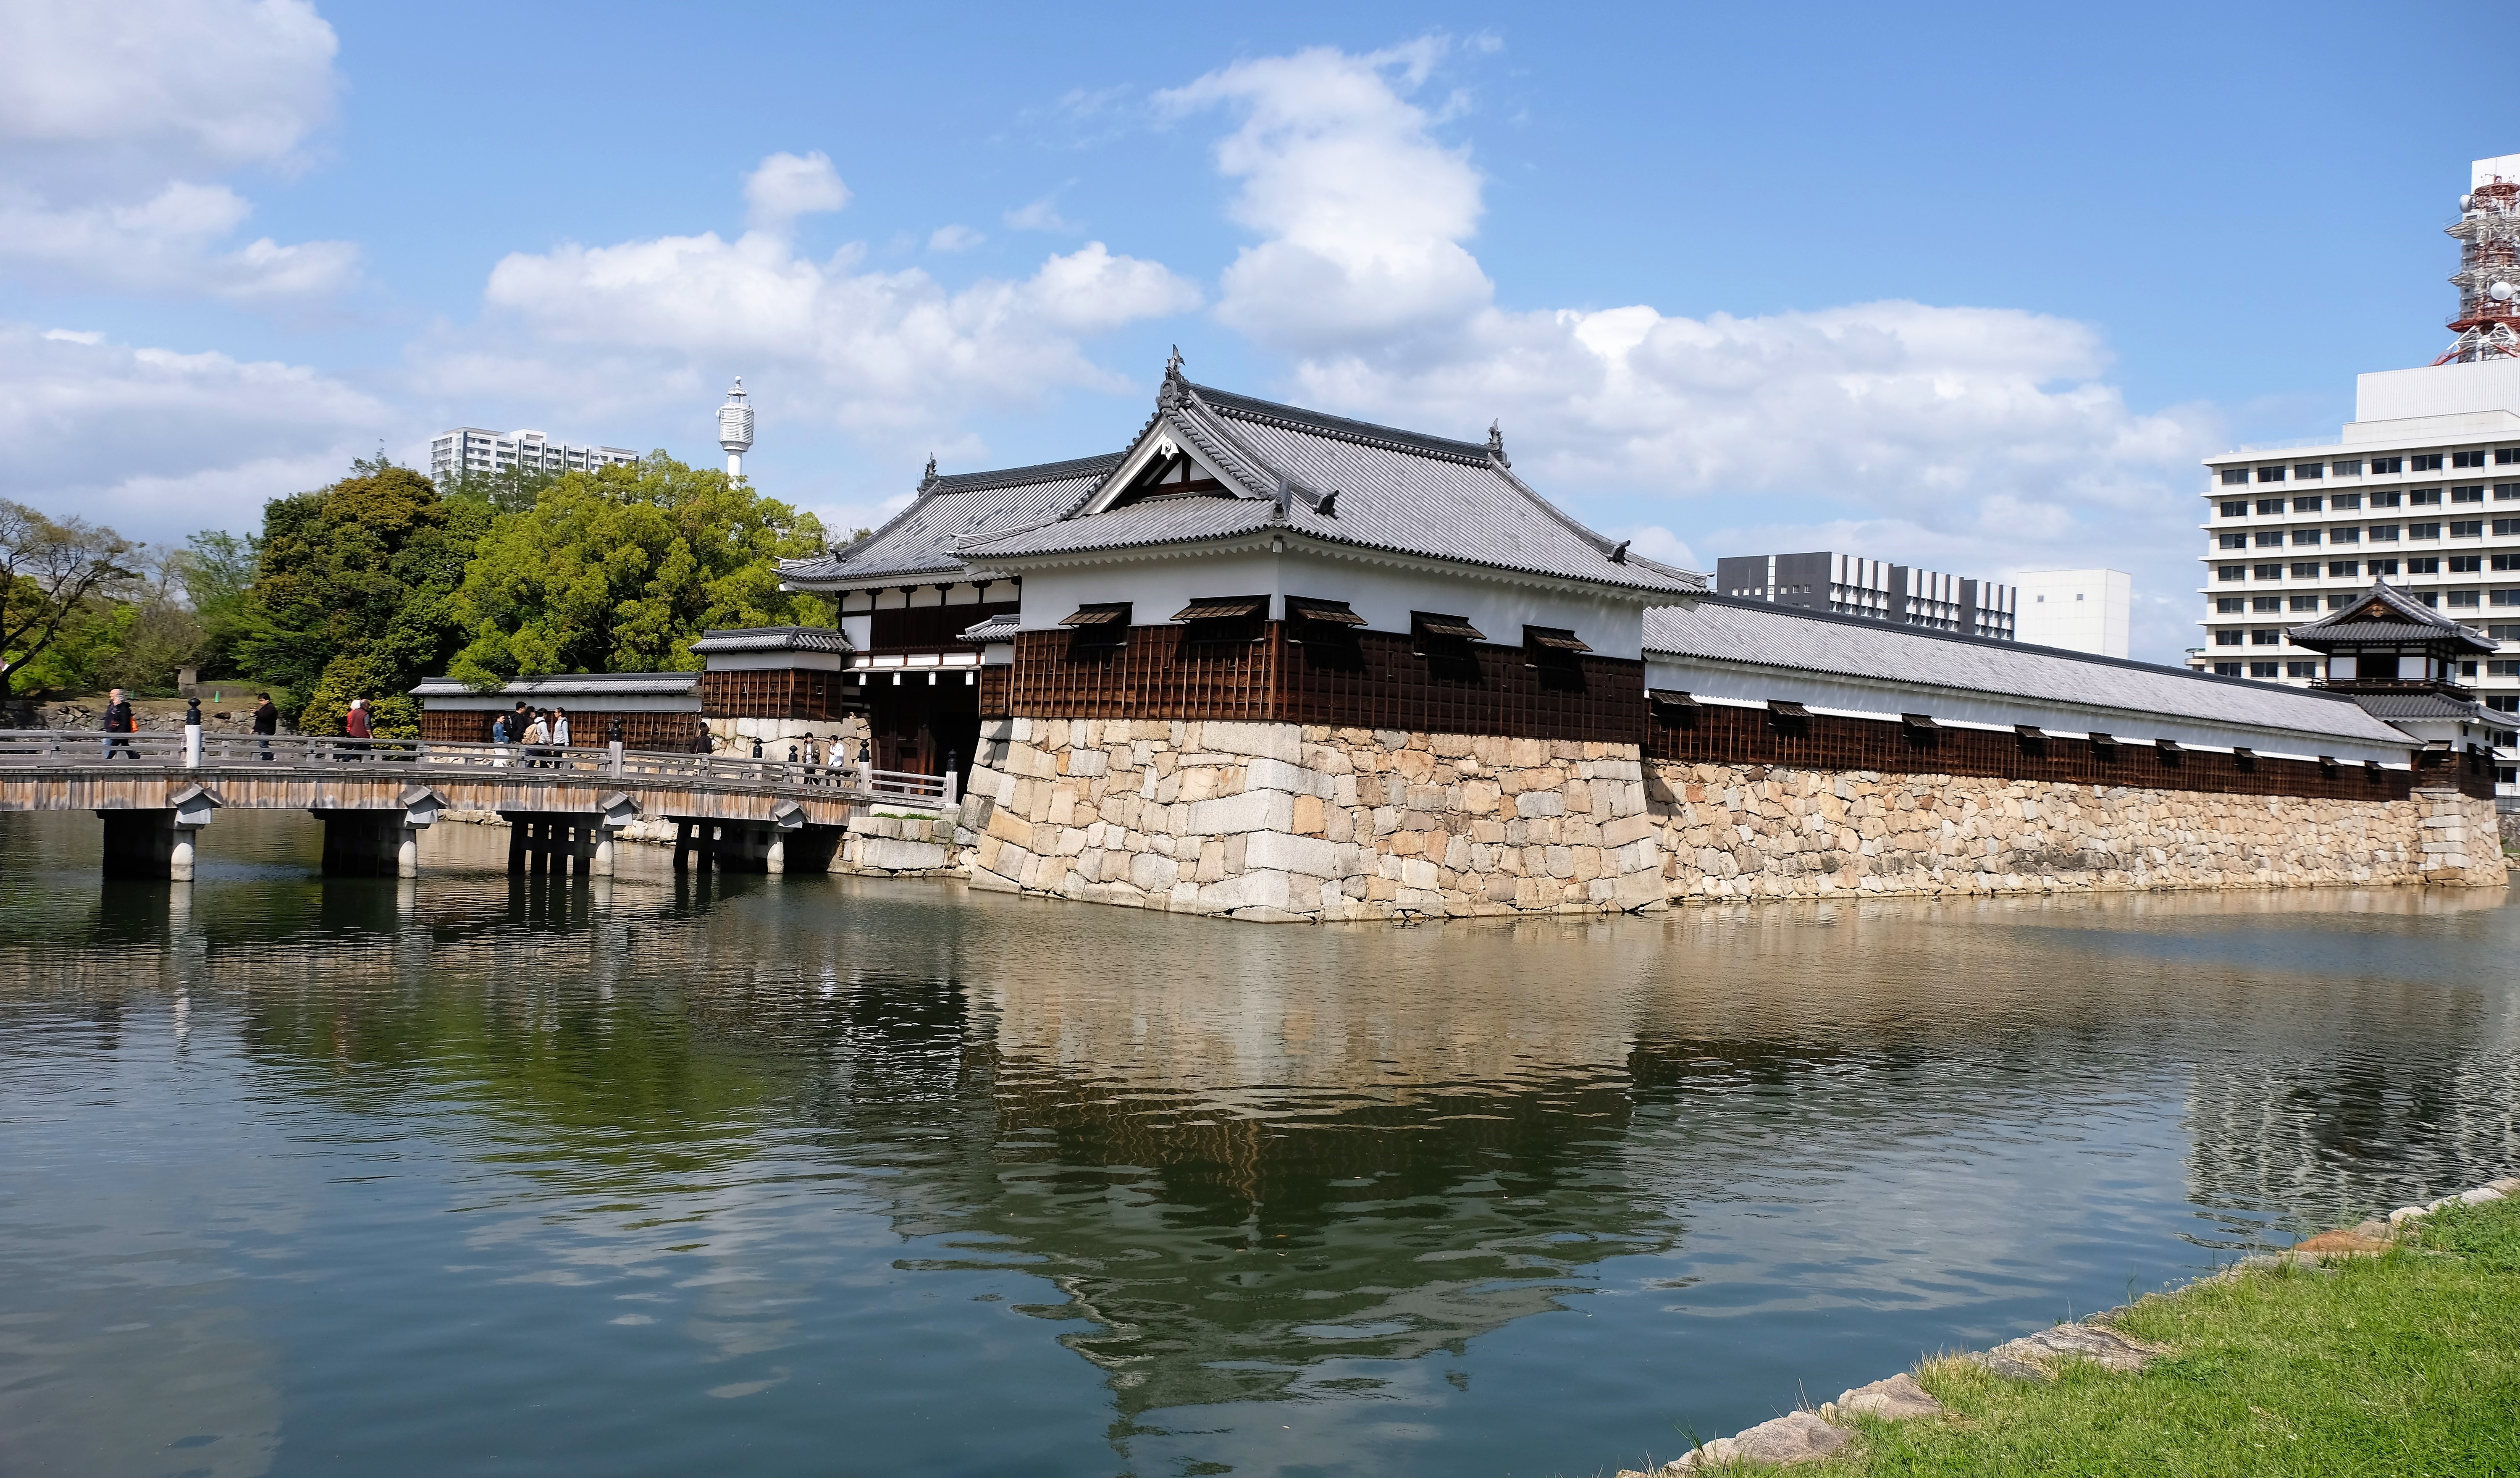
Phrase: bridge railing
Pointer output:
(51, 747)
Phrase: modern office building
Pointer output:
(471, 449)
(2421, 490)
(1848, 585)
(2077, 609)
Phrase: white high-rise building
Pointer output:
(2079, 609)
(2421, 489)
(471, 449)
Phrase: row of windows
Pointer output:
(2377, 467)
(2311, 670)
(2413, 497)
(2353, 569)
(2309, 602)
(2380, 533)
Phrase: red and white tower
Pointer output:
(2487, 228)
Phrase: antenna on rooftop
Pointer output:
(2488, 229)
(734, 428)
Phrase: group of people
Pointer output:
(542, 733)
(120, 723)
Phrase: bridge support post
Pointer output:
(147, 844)
(369, 844)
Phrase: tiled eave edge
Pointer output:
(1259, 541)
(2125, 725)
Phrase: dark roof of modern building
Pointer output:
(919, 543)
(1339, 482)
(2386, 613)
(567, 684)
(1752, 632)
(771, 639)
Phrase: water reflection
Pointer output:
(595, 1163)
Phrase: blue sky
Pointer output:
(1970, 288)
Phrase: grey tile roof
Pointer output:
(771, 639)
(2400, 617)
(1341, 481)
(2429, 705)
(570, 683)
(998, 628)
(919, 542)
(1724, 629)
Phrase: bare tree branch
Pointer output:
(48, 570)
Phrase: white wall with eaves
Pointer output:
(1611, 623)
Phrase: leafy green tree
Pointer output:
(57, 577)
(619, 569)
(217, 570)
(353, 587)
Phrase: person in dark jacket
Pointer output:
(266, 722)
(118, 720)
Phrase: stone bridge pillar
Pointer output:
(157, 842)
(378, 844)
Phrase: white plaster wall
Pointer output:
(1384, 595)
(1875, 698)
(778, 661)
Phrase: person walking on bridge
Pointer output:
(537, 735)
(558, 728)
(354, 725)
(119, 720)
(266, 722)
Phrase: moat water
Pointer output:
(769, 1176)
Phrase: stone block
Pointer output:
(1267, 773)
(1278, 742)
(1152, 873)
(1533, 803)
(1258, 889)
(1289, 854)
(1251, 811)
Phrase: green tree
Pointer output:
(352, 588)
(217, 570)
(58, 577)
(618, 570)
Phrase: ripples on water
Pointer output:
(822, 1176)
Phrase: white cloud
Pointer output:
(895, 356)
(159, 443)
(1040, 215)
(1360, 211)
(954, 239)
(110, 117)
(1987, 436)
(785, 186)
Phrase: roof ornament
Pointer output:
(1328, 507)
(1169, 394)
(1173, 366)
(931, 470)
(1619, 555)
(1496, 445)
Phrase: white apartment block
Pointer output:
(2077, 609)
(2422, 490)
(471, 449)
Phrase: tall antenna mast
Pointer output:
(734, 428)
(2487, 279)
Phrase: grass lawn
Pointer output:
(2406, 1362)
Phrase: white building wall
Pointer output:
(1751, 685)
(1384, 595)
(2077, 609)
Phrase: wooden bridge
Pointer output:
(563, 804)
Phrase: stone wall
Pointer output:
(1754, 831)
(1286, 821)
(1278, 821)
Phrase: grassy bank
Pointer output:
(2403, 1363)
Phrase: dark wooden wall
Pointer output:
(784, 693)
(1824, 741)
(927, 628)
(586, 727)
(1375, 683)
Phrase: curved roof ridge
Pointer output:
(1341, 428)
(1997, 644)
(1017, 476)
